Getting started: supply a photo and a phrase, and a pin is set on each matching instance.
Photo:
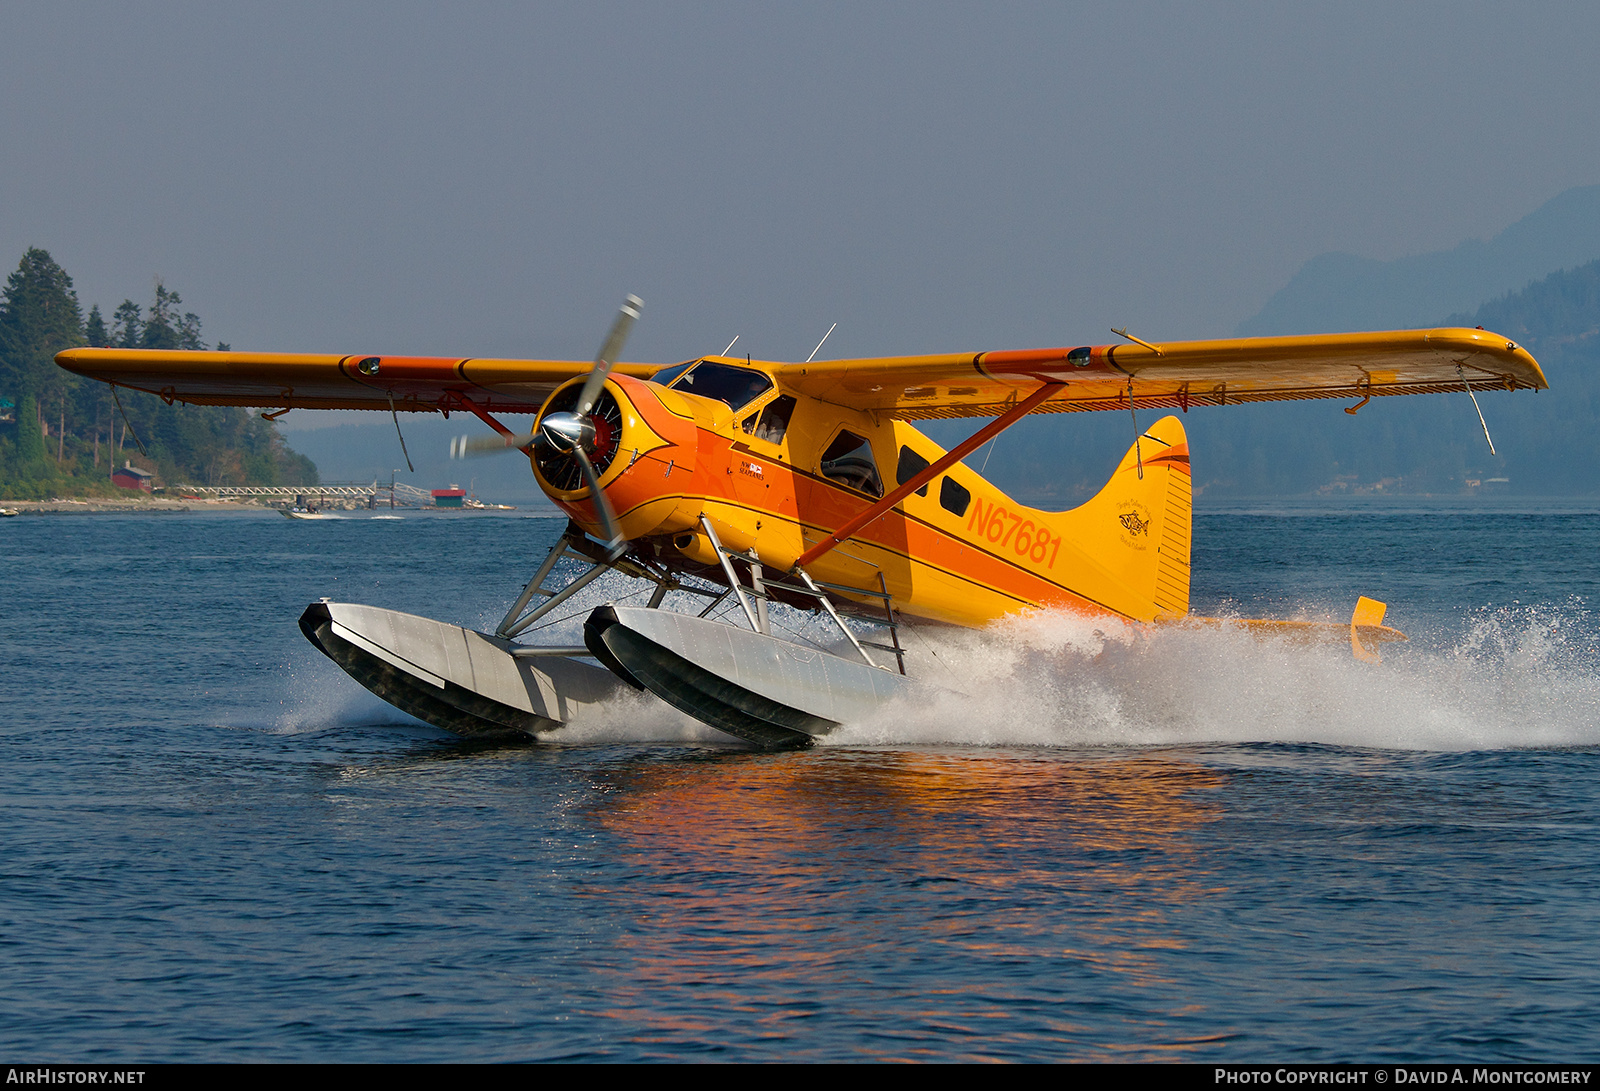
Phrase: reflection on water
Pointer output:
(973, 816)
(802, 874)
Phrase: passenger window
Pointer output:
(848, 460)
(737, 387)
(910, 465)
(953, 497)
(775, 419)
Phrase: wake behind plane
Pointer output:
(745, 483)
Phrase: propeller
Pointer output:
(571, 436)
(478, 446)
(607, 358)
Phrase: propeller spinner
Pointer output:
(575, 433)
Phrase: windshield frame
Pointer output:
(757, 383)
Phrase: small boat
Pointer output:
(308, 513)
(9, 511)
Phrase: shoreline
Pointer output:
(1267, 506)
(247, 506)
(149, 506)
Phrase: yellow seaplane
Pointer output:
(801, 484)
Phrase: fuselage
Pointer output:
(774, 472)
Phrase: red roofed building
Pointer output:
(129, 476)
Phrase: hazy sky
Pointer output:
(491, 179)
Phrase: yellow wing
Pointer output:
(1180, 374)
(297, 381)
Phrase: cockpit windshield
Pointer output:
(737, 387)
(666, 375)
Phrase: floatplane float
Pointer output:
(807, 485)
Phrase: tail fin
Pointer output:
(1138, 526)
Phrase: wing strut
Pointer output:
(950, 458)
(1474, 398)
(128, 424)
(401, 434)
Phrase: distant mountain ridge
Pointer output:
(1335, 292)
(1558, 314)
(1423, 445)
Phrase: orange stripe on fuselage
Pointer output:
(905, 538)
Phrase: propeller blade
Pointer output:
(478, 446)
(602, 506)
(626, 317)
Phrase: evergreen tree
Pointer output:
(189, 332)
(94, 330)
(162, 322)
(94, 406)
(127, 329)
(39, 316)
(30, 439)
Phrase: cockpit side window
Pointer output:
(848, 460)
(734, 386)
(774, 420)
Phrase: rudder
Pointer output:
(1137, 529)
(1177, 530)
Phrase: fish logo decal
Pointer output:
(1135, 519)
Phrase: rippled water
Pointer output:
(1107, 845)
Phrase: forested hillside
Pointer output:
(1427, 444)
(61, 434)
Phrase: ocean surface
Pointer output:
(1112, 845)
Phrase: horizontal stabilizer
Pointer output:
(1364, 632)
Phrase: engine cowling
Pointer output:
(644, 449)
